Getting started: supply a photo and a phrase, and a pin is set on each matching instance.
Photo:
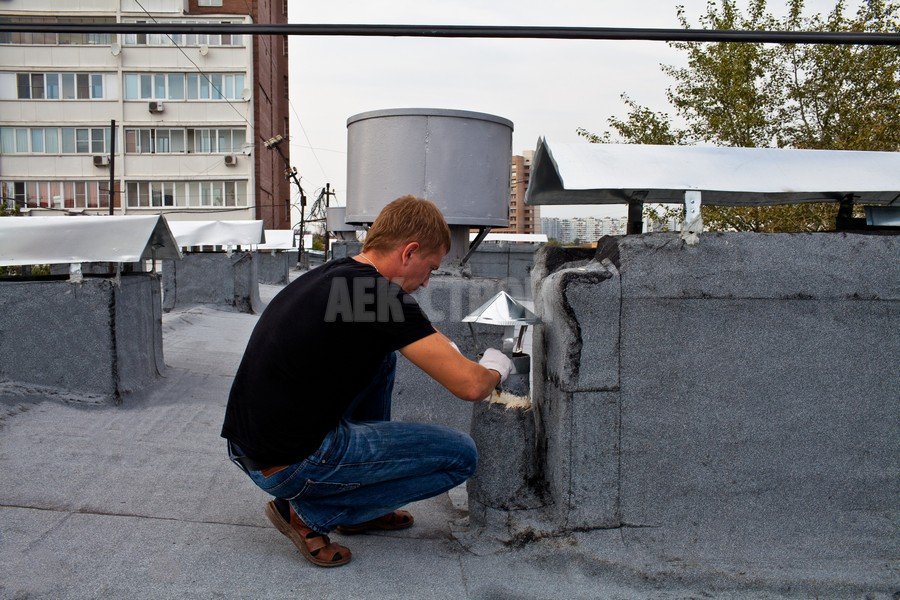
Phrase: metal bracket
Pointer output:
(474, 337)
(482, 233)
(75, 275)
(636, 213)
(845, 221)
(693, 221)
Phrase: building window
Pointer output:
(284, 45)
(184, 86)
(186, 194)
(209, 2)
(184, 39)
(46, 86)
(37, 86)
(57, 194)
(286, 87)
(180, 141)
(51, 86)
(52, 39)
(54, 140)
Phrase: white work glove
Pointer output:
(497, 361)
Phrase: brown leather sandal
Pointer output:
(316, 547)
(398, 519)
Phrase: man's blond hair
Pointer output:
(409, 219)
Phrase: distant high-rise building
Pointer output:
(522, 218)
(191, 112)
(582, 229)
(551, 228)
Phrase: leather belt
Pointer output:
(250, 464)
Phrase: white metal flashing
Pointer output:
(278, 239)
(584, 173)
(60, 240)
(218, 233)
(534, 238)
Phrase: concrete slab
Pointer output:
(215, 278)
(273, 266)
(94, 341)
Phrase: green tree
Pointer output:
(7, 210)
(758, 95)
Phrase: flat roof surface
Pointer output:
(585, 173)
(139, 501)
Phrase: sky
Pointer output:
(547, 88)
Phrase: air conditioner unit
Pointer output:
(157, 107)
(101, 160)
(230, 160)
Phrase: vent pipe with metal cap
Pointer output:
(505, 311)
(460, 160)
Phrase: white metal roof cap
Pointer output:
(278, 239)
(218, 233)
(534, 238)
(59, 240)
(584, 173)
(502, 309)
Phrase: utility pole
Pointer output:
(325, 236)
(112, 165)
(291, 173)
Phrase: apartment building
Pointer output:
(191, 112)
(522, 218)
(582, 229)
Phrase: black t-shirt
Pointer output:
(319, 342)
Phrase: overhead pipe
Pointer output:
(475, 31)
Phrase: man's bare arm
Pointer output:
(464, 378)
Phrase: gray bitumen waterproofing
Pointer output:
(139, 501)
(224, 278)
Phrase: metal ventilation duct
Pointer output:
(336, 222)
(459, 160)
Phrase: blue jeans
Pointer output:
(368, 466)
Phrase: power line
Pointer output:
(476, 31)
(308, 141)
(296, 145)
(266, 41)
(290, 171)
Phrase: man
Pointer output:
(308, 418)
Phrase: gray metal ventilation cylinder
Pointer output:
(459, 160)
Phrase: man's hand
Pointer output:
(496, 361)
(466, 379)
